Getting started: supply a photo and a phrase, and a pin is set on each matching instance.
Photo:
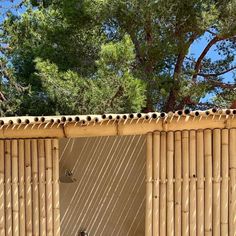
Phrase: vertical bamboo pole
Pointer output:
(225, 176)
(148, 217)
(232, 183)
(163, 185)
(2, 198)
(35, 187)
(156, 178)
(8, 196)
(15, 192)
(216, 183)
(208, 181)
(200, 184)
(42, 192)
(56, 204)
(192, 187)
(185, 189)
(178, 183)
(22, 187)
(49, 221)
(170, 187)
(28, 190)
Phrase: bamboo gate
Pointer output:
(191, 182)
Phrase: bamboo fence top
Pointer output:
(114, 124)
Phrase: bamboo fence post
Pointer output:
(28, 189)
(163, 185)
(15, 192)
(56, 204)
(217, 180)
(8, 197)
(185, 189)
(148, 215)
(49, 216)
(192, 187)
(178, 183)
(170, 185)
(200, 183)
(232, 183)
(224, 187)
(42, 191)
(22, 186)
(208, 181)
(156, 179)
(2, 198)
(35, 180)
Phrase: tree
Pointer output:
(96, 56)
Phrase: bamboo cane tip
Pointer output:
(179, 112)
(117, 117)
(214, 110)
(131, 116)
(207, 113)
(69, 119)
(110, 117)
(89, 118)
(104, 116)
(36, 119)
(77, 118)
(63, 119)
(187, 111)
(154, 115)
(139, 115)
(228, 112)
(163, 114)
(124, 117)
(234, 112)
(42, 119)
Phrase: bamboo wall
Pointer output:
(29, 187)
(191, 183)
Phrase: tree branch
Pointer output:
(217, 74)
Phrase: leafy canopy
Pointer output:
(102, 56)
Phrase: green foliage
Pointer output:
(98, 56)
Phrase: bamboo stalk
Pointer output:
(28, 189)
(232, 182)
(8, 197)
(178, 183)
(48, 155)
(216, 183)
(42, 191)
(2, 198)
(56, 204)
(208, 182)
(163, 185)
(35, 187)
(200, 184)
(224, 188)
(148, 216)
(22, 186)
(15, 192)
(185, 189)
(192, 187)
(170, 185)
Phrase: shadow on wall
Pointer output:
(108, 196)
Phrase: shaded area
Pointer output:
(109, 195)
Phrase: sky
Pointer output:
(195, 49)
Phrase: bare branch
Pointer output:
(198, 64)
(217, 74)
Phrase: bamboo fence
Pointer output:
(193, 176)
(29, 189)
